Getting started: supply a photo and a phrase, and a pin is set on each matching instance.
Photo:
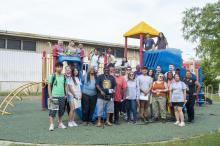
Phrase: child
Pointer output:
(74, 93)
(56, 90)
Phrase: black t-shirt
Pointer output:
(191, 85)
(105, 83)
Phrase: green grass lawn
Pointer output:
(212, 139)
(29, 124)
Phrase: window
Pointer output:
(101, 50)
(29, 45)
(2, 43)
(14, 44)
(119, 53)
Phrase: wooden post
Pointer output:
(141, 49)
(44, 67)
(54, 58)
(126, 47)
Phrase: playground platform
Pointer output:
(28, 124)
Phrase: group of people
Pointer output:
(121, 91)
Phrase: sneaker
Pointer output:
(51, 127)
(70, 124)
(62, 126)
(74, 124)
(177, 123)
(182, 124)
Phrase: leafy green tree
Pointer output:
(202, 26)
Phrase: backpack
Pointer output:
(54, 79)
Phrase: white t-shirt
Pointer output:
(75, 87)
(177, 91)
(145, 83)
(94, 60)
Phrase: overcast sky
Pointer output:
(101, 20)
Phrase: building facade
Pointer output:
(20, 55)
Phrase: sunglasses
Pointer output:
(131, 74)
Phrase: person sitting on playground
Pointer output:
(149, 43)
(161, 42)
(124, 62)
(74, 94)
(110, 58)
(82, 52)
(60, 47)
(56, 90)
(94, 59)
(106, 85)
(72, 50)
(178, 99)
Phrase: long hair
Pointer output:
(153, 72)
(88, 79)
(159, 38)
(73, 75)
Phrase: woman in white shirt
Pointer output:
(94, 59)
(178, 99)
(74, 93)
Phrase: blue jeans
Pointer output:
(132, 108)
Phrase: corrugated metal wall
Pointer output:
(19, 67)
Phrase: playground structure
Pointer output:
(147, 58)
(162, 57)
(16, 94)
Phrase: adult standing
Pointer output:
(119, 94)
(171, 69)
(191, 92)
(145, 83)
(132, 97)
(149, 43)
(138, 70)
(159, 90)
(178, 99)
(158, 71)
(89, 95)
(161, 42)
(170, 108)
(106, 85)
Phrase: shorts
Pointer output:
(70, 99)
(102, 105)
(180, 104)
(62, 105)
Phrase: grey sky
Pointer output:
(102, 20)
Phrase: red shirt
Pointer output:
(121, 84)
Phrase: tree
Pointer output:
(202, 26)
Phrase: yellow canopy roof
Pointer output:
(142, 27)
